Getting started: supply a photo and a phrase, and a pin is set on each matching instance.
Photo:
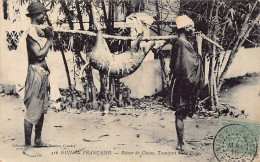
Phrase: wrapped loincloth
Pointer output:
(36, 94)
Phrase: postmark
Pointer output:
(236, 141)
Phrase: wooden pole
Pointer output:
(147, 38)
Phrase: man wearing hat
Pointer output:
(187, 76)
(36, 94)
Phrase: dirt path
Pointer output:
(122, 135)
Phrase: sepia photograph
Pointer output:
(129, 80)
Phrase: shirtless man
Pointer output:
(36, 94)
(187, 76)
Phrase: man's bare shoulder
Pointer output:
(182, 42)
(31, 41)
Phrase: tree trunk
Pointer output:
(67, 14)
(88, 82)
(103, 85)
(244, 32)
(65, 65)
(86, 90)
(80, 60)
(105, 14)
(111, 16)
(5, 9)
(215, 60)
(79, 15)
(116, 12)
(211, 65)
(92, 88)
(63, 56)
(109, 21)
(164, 75)
(90, 15)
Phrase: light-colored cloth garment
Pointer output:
(20, 57)
(36, 30)
(36, 93)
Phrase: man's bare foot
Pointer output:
(29, 151)
(184, 148)
(189, 152)
(178, 147)
(40, 144)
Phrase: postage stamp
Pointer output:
(236, 140)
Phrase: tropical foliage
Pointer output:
(231, 23)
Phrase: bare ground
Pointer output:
(125, 134)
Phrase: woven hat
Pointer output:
(36, 7)
(183, 21)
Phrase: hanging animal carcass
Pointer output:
(123, 64)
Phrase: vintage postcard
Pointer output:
(130, 80)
